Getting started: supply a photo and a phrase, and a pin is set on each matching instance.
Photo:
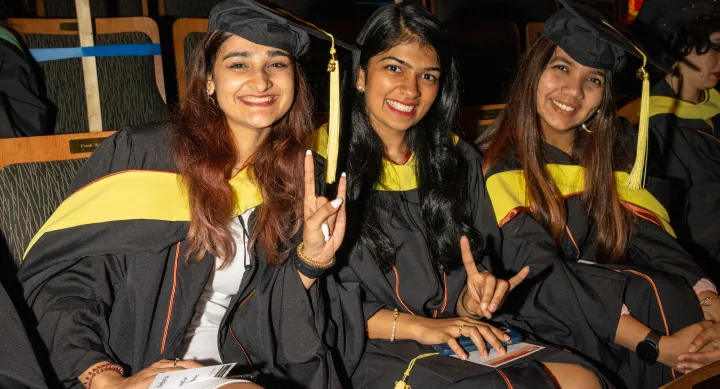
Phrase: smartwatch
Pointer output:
(648, 349)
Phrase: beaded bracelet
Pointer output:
(100, 369)
(396, 314)
(313, 263)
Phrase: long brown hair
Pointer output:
(205, 153)
(517, 131)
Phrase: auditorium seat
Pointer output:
(35, 174)
(98, 8)
(132, 89)
(532, 32)
(201, 9)
(707, 377)
(475, 119)
(187, 33)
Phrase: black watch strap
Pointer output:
(654, 336)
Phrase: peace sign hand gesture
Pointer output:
(485, 293)
(324, 220)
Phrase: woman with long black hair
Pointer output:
(418, 221)
(607, 277)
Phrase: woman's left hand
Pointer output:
(704, 349)
(711, 311)
(325, 220)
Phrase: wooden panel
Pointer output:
(532, 31)
(49, 147)
(40, 7)
(181, 28)
(140, 24)
(688, 381)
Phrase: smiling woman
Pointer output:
(214, 256)
(605, 267)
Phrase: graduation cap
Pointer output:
(281, 29)
(595, 40)
(665, 16)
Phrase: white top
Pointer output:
(200, 343)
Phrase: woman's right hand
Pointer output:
(430, 331)
(140, 380)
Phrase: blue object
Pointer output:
(468, 345)
(53, 54)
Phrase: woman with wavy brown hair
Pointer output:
(198, 242)
(607, 277)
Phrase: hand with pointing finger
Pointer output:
(484, 294)
(324, 220)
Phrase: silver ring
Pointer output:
(175, 362)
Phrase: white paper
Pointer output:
(181, 378)
(514, 352)
(212, 383)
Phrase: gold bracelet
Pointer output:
(706, 300)
(396, 314)
(313, 263)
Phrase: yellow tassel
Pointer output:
(636, 179)
(402, 384)
(333, 144)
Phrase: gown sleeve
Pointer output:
(651, 247)
(19, 367)
(72, 294)
(296, 337)
(22, 111)
(568, 303)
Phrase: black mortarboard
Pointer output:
(595, 40)
(278, 28)
(664, 17)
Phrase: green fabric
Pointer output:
(8, 36)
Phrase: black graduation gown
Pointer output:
(415, 286)
(22, 111)
(684, 158)
(107, 279)
(19, 368)
(578, 305)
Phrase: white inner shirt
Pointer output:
(200, 343)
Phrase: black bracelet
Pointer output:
(307, 270)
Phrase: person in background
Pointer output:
(23, 110)
(685, 119)
(607, 279)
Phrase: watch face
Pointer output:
(647, 352)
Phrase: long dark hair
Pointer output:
(441, 173)
(517, 131)
(205, 153)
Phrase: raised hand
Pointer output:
(324, 220)
(485, 293)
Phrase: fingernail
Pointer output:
(493, 307)
(681, 358)
(343, 174)
(464, 357)
(507, 337)
(484, 306)
(309, 152)
(336, 203)
(326, 231)
(692, 348)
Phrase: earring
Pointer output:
(209, 88)
(359, 88)
(584, 127)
